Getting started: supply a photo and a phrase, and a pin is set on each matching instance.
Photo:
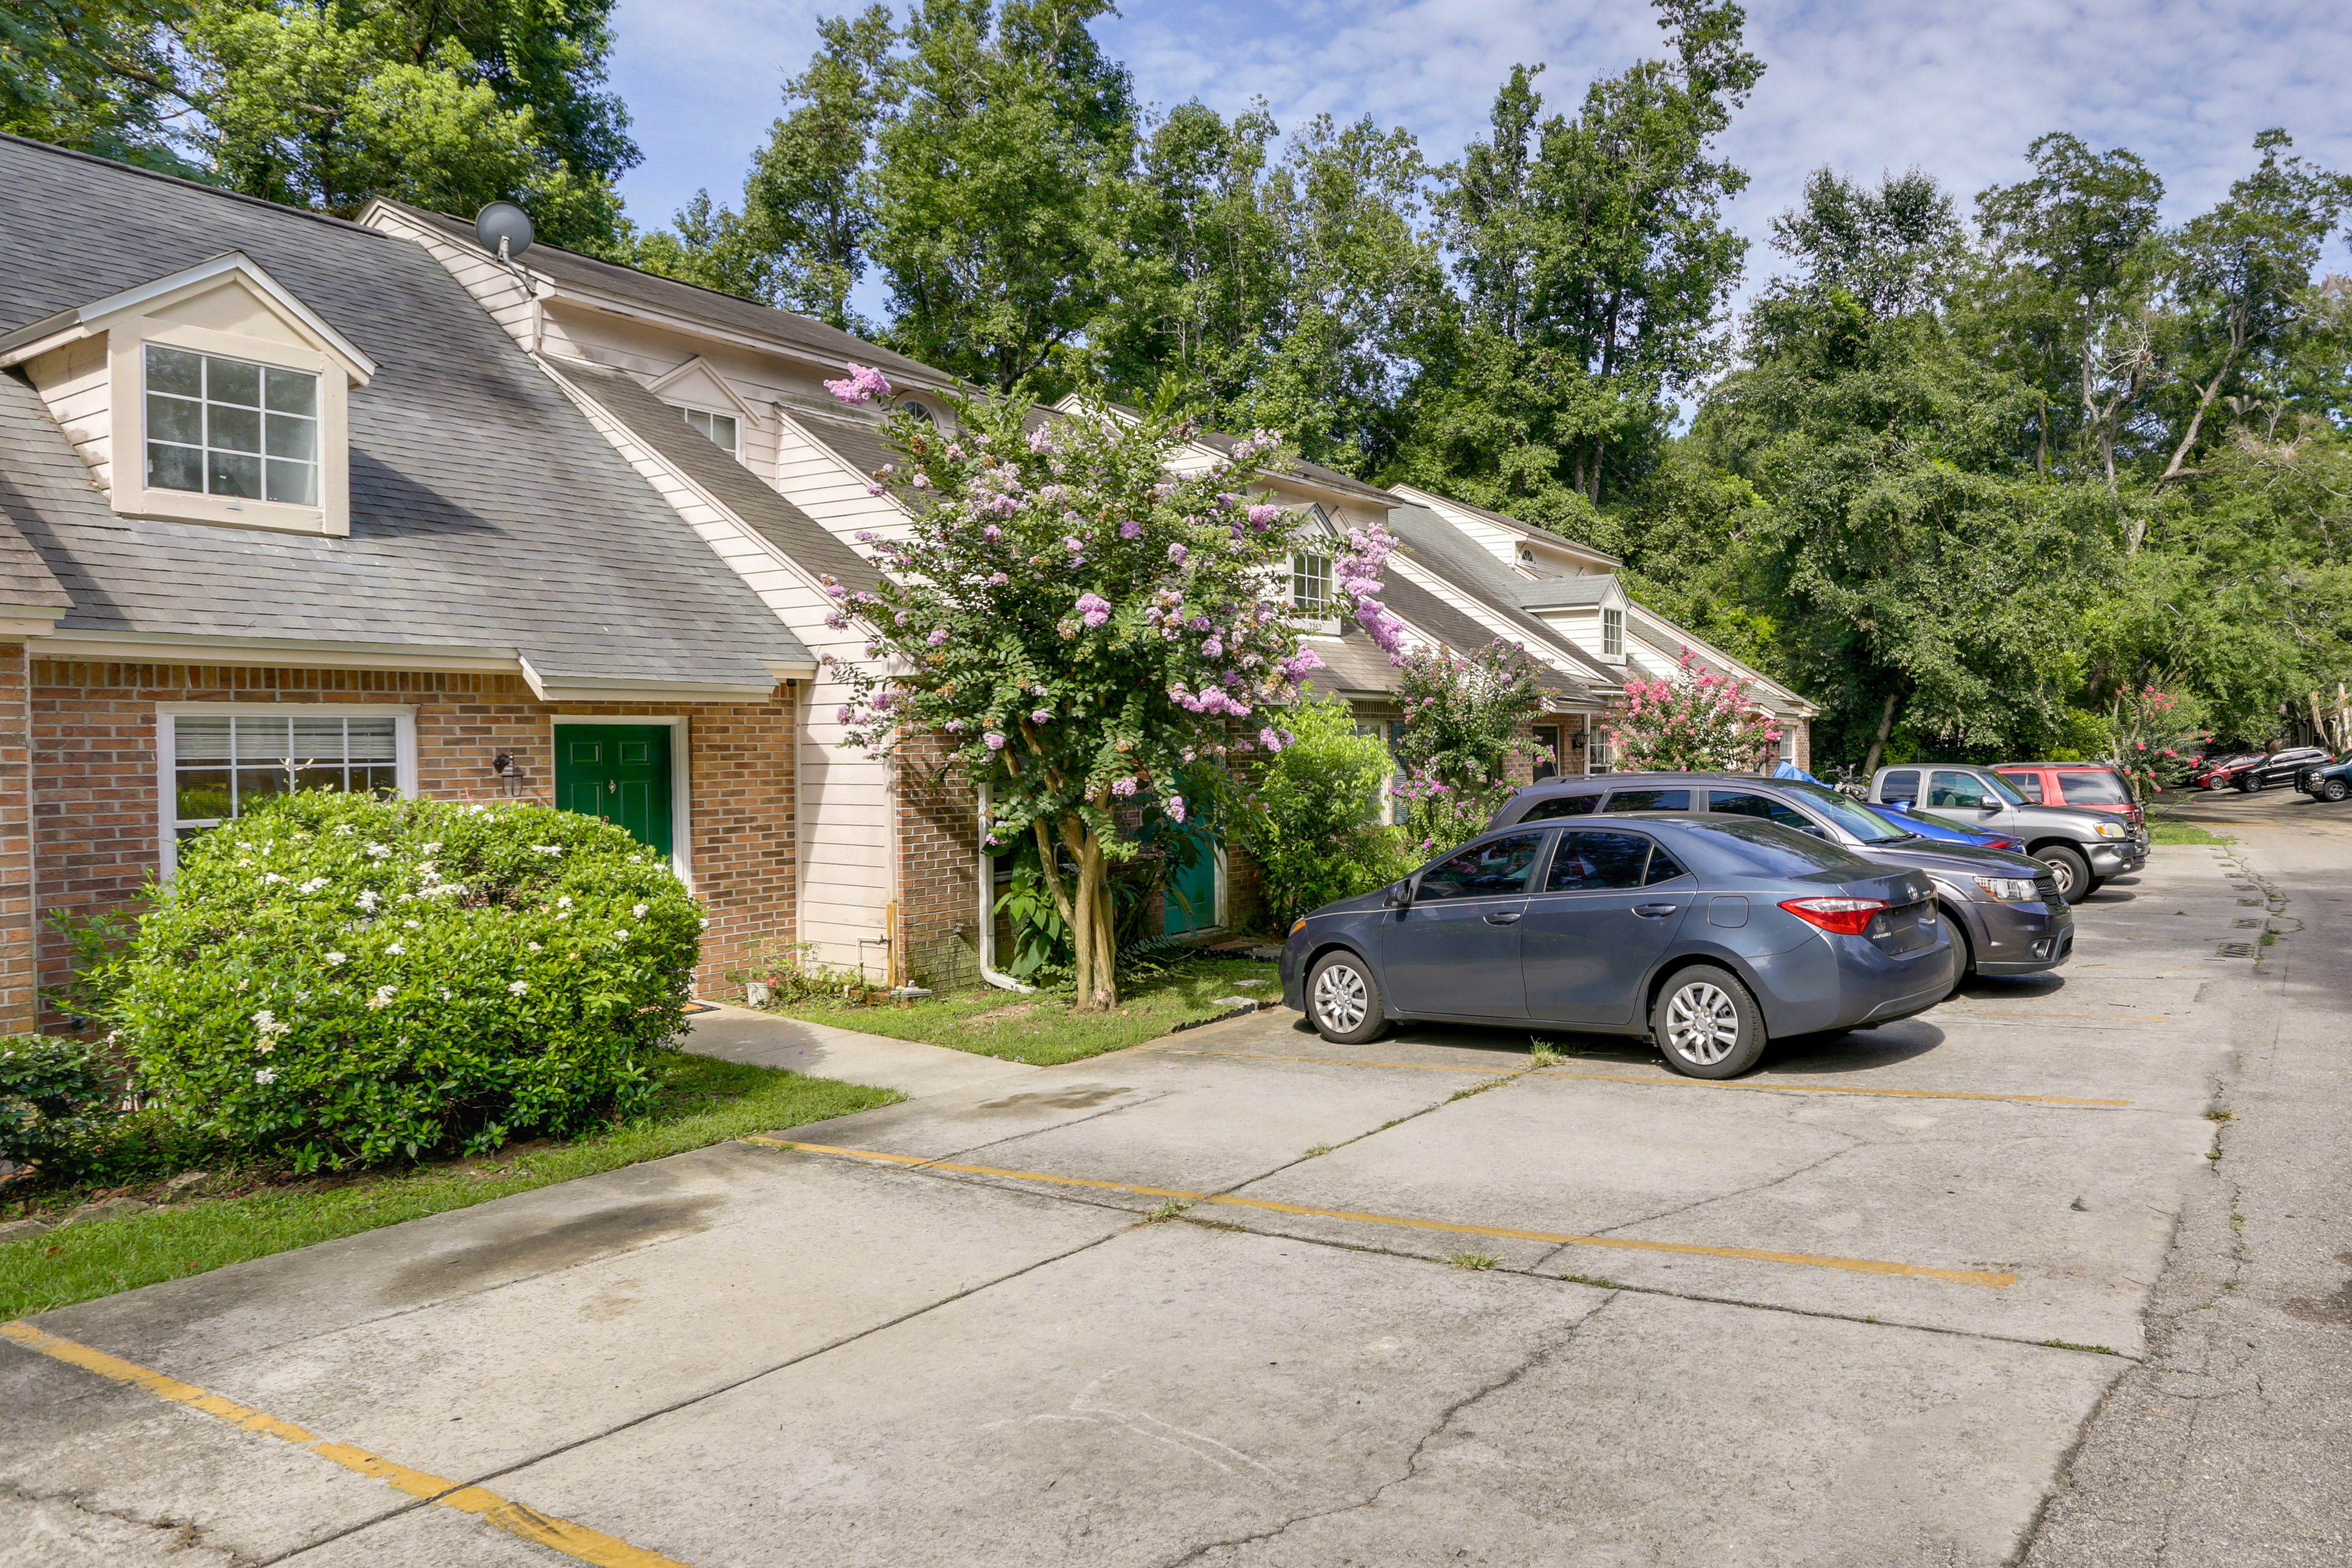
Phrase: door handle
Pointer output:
(1655, 911)
(1504, 917)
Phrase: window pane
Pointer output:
(292, 436)
(175, 468)
(231, 474)
(1955, 790)
(232, 380)
(200, 740)
(175, 369)
(202, 794)
(2090, 789)
(1565, 805)
(1310, 582)
(722, 430)
(330, 777)
(294, 392)
(1663, 868)
(1650, 800)
(371, 740)
(1747, 803)
(2027, 785)
(264, 739)
(252, 784)
(696, 419)
(1497, 869)
(294, 484)
(232, 429)
(382, 780)
(175, 419)
(1588, 860)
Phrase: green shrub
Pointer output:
(1310, 815)
(347, 980)
(57, 1097)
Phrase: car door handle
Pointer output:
(1504, 917)
(1655, 911)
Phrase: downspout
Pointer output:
(987, 943)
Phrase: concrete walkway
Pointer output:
(820, 1050)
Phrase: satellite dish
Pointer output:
(504, 229)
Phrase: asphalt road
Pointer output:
(1241, 1297)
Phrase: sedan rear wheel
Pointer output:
(1708, 1025)
(2334, 789)
(1343, 1000)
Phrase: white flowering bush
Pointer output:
(352, 980)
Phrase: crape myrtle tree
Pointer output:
(1692, 721)
(1465, 726)
(1082, 625)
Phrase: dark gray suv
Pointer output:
(2005, 907)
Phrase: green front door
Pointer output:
(617, 772)
(1193, 890)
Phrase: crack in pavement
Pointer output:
(191, 1535)
(1542, 1350)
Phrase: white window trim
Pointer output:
(681, 808)
(167, 750)
(1616, 654)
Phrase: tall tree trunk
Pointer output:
(1878, 742)
(1090, 932)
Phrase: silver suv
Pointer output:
(2082, 849)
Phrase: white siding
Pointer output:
(1479, 611)
(74, 382)
(823, 484)
(497, 290)
(844, 804)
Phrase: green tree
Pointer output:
(98, 75)
(1310, 814)
(1465, 727)
(1594, 264)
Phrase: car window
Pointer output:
(1562, 805)
(1649, 800)
(1496, 869)
(1949, 789)
(2100, 788)
(1663, 868)
(1769, 848)
(1591, 858)
(1900, 785)
(2027, 785)
(1856, 818)
(1748, 803)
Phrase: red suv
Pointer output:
(2090, 785)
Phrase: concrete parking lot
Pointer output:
(1240, 1297)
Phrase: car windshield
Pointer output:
(2002, 787)
(1847, 813)
(1769, 848)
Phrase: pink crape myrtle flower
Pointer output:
(1123, 787)
(1094, 609)
(864, 383)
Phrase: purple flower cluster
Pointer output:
(863, 384)
(1093, 609)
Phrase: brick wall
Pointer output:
(95, 783)
(19, 892)
(938, 845)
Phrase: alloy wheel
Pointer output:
(1702, 1023)
(1341, 998)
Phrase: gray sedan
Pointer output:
(1708, 935)
(2007, 911)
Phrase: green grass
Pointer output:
(2184, 833)
(1041, 1029)
(704, 1100)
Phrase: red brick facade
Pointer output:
(938, 845)
(93, 803)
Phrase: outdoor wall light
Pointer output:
(508, 768)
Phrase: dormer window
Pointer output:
(1310, 583)
(916, 411)
(720, 427)
(231, 427)
(1612, 634)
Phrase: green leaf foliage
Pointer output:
(57, 1096)
(356, 981)
(1310, 814)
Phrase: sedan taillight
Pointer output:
(1847, 917)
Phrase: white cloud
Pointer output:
(1864, 85)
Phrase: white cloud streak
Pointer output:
(1862, 85)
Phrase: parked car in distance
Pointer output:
(2330, 781)
(2082, 849)
(2005, 908)
(1708, 935)
(2253, 773)
(2212, 771)
(2093, 786)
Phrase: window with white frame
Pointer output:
(720, 427)
(1612, 634)
(1596, 752)
(225, 427)
(1310, 583)
(223, 764)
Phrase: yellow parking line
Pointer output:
(575, 1541)
(1856, 1265)
(1674, 1082)
(2110, 1017)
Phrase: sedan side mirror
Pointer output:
(1398, 896)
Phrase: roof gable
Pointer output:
(212, 293)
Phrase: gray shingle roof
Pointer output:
(1547, 593)
(1437, 546)
(486, 512)
(828, 345)
(799, 536)
(1504, 520)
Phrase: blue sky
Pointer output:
(1956, 88)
